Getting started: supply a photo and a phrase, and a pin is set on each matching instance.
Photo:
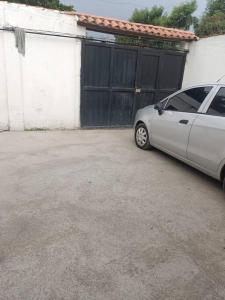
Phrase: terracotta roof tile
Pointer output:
(110, 25)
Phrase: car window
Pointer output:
(217, 107)
(189, 100)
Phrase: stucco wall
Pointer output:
(4, 114)
(205, 61)
(42, 88)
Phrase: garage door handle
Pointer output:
(185, 122)
(137, 90)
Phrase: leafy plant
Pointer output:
(54, 4)
(180, 17)
(213, 20)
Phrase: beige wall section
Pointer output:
(42, 88)
(205, 61)
(51, 98)
(4, 113)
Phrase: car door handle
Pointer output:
(185, 122)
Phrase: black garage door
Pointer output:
(117, 80)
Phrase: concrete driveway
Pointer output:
(87, 215)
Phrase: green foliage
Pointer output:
(215, 6)
(182, 15)
(213, 20)
(146, 42)
(54, 4)
(153, 16)
(211, 25)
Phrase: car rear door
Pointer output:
(207, 138)
(170, 131)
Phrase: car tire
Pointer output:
(223, 184)
(142, 137)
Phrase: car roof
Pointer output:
(194, 86)
(204, 84)
(217, 84)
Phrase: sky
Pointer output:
(122, 9)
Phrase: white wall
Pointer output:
(42, 88)
(205, 61)
(4, 114)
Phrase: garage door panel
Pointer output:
(99, 59)
(118, 80)
(122, 108)
(171, 71)
(148, 71)
(96, 108)
(144, 99)
(124, 68)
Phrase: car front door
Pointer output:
(171, 129)
(207, 138)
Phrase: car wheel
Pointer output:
(223, 182)
(142, 137)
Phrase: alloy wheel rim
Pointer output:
(141, 136)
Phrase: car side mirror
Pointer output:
(159, 106)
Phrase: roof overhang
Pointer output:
(120, 27)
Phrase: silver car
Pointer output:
(189, 125)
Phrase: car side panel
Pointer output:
(206, 145)
(146, 115)
(189, 162)
(169, 133)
